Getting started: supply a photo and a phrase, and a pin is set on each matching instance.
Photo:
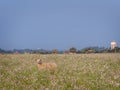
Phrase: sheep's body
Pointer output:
(48, 66)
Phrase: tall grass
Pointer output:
(74, 72)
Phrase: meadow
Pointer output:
(73, 72)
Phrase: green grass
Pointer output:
(74, 72)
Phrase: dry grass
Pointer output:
(74, 72)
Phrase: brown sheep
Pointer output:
(48, 66)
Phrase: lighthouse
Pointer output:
(113, 45)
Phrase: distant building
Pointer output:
(113, 45)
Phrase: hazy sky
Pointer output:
(60, 24)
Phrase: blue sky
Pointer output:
(60, 24)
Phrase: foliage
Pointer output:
(116, 49)
(54, 51)
(73, 50)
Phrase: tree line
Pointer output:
(56, 51)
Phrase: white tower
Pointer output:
(113, 45)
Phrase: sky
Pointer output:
(58, 24)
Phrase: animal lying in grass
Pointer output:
(47, 66)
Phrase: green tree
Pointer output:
(54, 51)
(88, 50)
(73, 50)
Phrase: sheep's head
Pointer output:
(39, 61)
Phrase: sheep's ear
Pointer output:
(41, 60)
(36, 60)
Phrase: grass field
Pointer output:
(74, 72)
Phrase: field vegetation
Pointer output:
(73, 72)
